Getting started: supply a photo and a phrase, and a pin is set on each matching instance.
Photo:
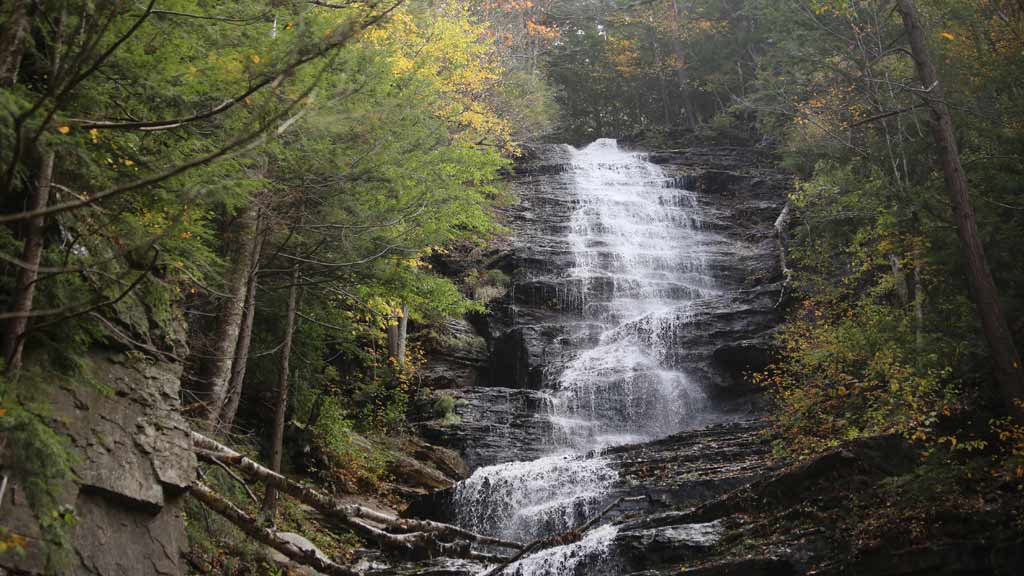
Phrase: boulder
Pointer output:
(291, 566)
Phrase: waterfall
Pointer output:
(639, 263)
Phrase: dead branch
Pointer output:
(251, 528)
(886, 115)
(212, 459)
(416, 534)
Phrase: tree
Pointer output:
(214, 374)
(281, 403)
(1008, 370)
(241, 360)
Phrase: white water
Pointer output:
(567, 560)
(639, 263)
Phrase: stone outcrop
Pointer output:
(133, 463)
(492, 425)
(456, 356)
(787, 522)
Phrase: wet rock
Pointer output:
(446, 461)
(745, 567)
(421, 468)
(688, 468)
(437, 567)
(943, 559)
(736, 360)
(667, 544)
(492, 425)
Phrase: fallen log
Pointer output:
(251, 528)
(417, 534)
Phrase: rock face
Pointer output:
(492, 425)
(535, 331)
(133, 464)
(456, 358)
(691, 467)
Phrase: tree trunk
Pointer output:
(899, 280)
(241, 361)
(12, 42)
(1004, 353)
(681, 74)
(918, 305)
(403, 328)
(28, 273)
(277, 442)
(215, 370)
(397, 336)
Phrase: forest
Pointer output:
(234, 236)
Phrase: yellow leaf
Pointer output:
(64, 129)
(948, 36)
(255, 58)
(3, 411)
(94, 134)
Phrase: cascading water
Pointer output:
(639, 262)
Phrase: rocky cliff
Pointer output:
(133, 461)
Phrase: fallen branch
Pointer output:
(207, 457)
(417, 534)
(564, 538)
(251, 528)
(888, 114)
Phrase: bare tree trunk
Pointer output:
(899, 280)
(1004, 353)
(12, 42)
(397, 336)
(215, 370)
(403, 328)
(31, 256)
(241, 361)
(277, 442)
